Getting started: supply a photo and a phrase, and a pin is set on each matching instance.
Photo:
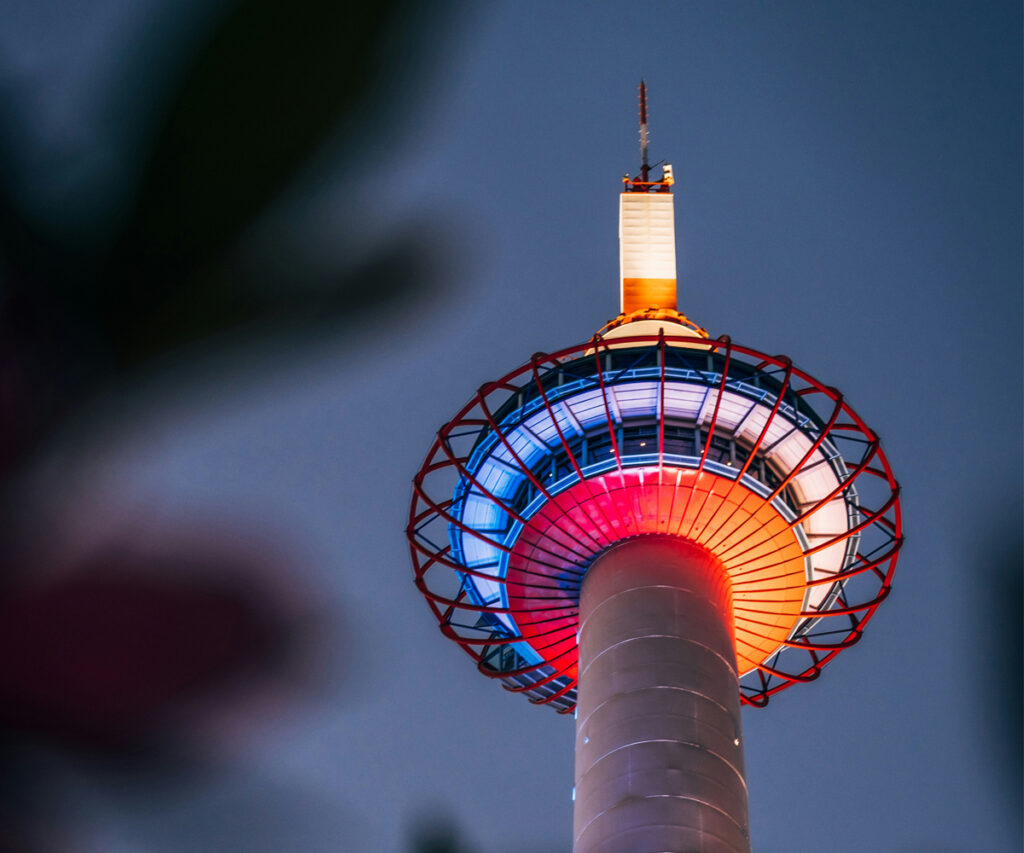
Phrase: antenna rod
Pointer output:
(644, 169)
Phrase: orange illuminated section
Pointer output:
(641, 293)
(754, 543)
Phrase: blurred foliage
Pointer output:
(436, 836)
(101, 654)
(269, 88)
(999, 646)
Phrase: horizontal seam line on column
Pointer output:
(733, 668)
(613, 596)
(581, 723)
(701, 747)
(701, 831)
(722, 812)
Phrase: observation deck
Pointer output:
(636, 433)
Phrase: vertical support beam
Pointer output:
(659, 754)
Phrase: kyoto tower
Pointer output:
(648, 530)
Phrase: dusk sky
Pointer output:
(848, 192)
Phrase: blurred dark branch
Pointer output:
(268, 88)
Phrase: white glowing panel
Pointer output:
(647, 239)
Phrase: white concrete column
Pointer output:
(659, 752)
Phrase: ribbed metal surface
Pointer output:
(659, 755)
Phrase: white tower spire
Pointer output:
(647, 234)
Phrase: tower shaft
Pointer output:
(659, 756)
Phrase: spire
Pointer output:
(647, 240)
(644, 168)
(643, 183)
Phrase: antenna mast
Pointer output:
(644, 168)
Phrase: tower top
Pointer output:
(651, 427)
(644, 168)
(647, 236)
(643, 182)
